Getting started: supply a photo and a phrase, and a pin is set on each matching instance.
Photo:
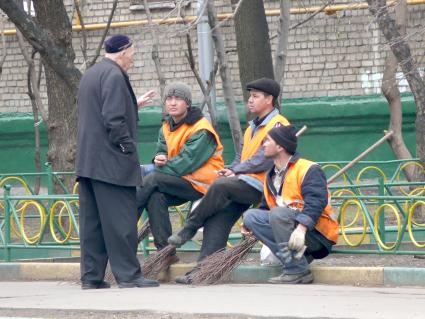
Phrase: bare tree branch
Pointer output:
(83, 29)
(234, 123)
(3, 44)
(105, 33)
(282, 46)
(42, 42)
(205, 92)
(321, 9)
(155, 51)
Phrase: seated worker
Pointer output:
(241, 185)
(295, 220)
(188, 155)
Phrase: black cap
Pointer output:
(266, 85)
(117, 43)
(286, 137)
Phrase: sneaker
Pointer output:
(303, 278)
(139, 283)
(95, 285)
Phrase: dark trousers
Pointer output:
(158, 192)
(108, 219)
(274, 228)
(223, 204)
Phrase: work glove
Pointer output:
(297, 240)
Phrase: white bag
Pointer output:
(268, 258)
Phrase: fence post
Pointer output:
(6, 195)
(381, 225)
(49, 178)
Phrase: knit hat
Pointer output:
(178, 89)
(265, 85)
(117, 43)
(285, 136)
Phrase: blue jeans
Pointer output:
(145, 169)
(274, 227)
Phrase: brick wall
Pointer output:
(331, 55)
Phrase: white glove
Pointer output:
(297, 239)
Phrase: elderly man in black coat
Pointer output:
(107, 169)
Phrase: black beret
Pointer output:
(285, 136)
(117, 43)
(265, 85)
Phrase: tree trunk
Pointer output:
(62, 124)
(392, 94)
(51, 36)
(253, 43)
(401, 50)
(229, 97)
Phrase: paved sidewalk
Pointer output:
(288, 301)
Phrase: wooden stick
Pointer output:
(358, 158)
(301, 131)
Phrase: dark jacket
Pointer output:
(107, 126)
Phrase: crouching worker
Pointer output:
(188, 156)
(296, 222)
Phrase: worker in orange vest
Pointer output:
(295, 218)
(188, 155)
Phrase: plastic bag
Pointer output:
(268, 258)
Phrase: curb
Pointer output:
(352, 276)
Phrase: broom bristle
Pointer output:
(158, 261)
(219, 265)
(142, 232)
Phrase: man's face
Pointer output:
(271, 148)
(176, 106)
(127, 58)
(259, 104)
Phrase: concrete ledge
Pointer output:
(9, 271)
(404, 276)
(364, 276)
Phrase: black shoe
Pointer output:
(303, 278)
(139, 283)
(184, 280)
(182, 236)
(95, 285)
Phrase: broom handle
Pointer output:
(301, 131)
(358, 158)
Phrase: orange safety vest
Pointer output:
(205, 175)
(327, 225)
(251, 144)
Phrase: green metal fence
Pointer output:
(378, 210)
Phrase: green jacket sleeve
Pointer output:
(161, 145)
(195, 152)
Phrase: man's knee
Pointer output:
(248, 218)
(282, 215)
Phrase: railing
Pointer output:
(377, 214)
